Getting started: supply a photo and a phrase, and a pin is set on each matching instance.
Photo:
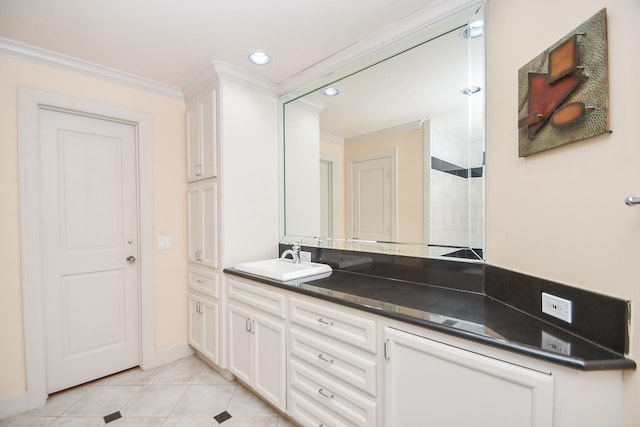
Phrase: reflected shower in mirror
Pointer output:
(391, 158)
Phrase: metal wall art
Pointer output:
(563, 92)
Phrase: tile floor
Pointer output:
(185, 393)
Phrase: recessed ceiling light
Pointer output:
(331, 91)
(259, 57)
(470, 90)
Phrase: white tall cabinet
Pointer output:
(232, 191)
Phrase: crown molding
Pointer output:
(324, 136)
(221, 69)
(28, 52)
(395, 130)
(374, 48)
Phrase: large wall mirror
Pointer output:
(390, 158)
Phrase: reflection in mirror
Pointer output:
(393, 159)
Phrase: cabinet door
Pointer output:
(202, 206)
(201, 138)
(269, 359)
(195, 322)
(194, 213)
(194, 145)
(210, 334)
(240, 342)
(432, 383)
(209, 150)
(209, 221)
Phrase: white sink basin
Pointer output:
(285, 270)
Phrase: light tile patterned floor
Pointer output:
(185, 393)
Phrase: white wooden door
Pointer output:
(90, 227)
(373, 198)
(433, 384)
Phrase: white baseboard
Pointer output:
(168, 355)
(10, 406)
(13, 405)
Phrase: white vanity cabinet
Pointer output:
(257, 338)
(437, 384)
(202, 159)
(204, 326)
(332, 365)
(204, 312)
(202, 213)
(339, 366)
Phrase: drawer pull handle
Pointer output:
(325, 359)
(325, 322)
(325, 393)
(200, 281)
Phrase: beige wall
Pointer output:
(170, 213)
(560, 214)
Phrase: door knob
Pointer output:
(131, 259)
(631, 200)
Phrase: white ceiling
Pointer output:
(171, 41)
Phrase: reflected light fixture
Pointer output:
(259, 57)
(474, 29)
(331, 91)
(470, 90)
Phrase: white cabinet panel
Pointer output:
(332, 396)
(429, 382)
(202, 201)
(204, 281)
(201, 138)
(257, 339)
(204, 326)
(333, 359)
(240, 342)
(339, 324)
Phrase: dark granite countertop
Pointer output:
(461, 312)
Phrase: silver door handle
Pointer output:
(131, 259)
(631, 200)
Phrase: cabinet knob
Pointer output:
(131, 259)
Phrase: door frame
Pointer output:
(331, 161)
(30, 102)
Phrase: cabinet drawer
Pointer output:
(256, 296)
(328, 396)
(204, 281)
(344, 363)
(341, 325)
(309, 413)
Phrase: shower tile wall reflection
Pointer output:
(456, 183)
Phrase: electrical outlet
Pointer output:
(556, 307)
(551, 343)
(305, 256)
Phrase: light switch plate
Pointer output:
(165, 242)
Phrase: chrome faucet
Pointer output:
(294, 252)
